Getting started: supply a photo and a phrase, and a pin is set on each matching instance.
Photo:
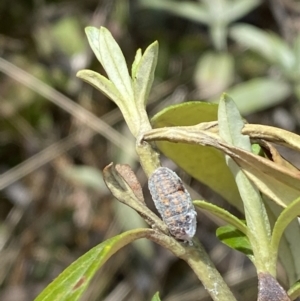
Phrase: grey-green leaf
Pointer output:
(144, 75)
(271, 46)
(214, 72)
(289, 214)
(238, 9)
(114, 63)
(258, 94)
(102, 84)
(156, 297)
(231, 124)
(136, 62)
(294, 291)
(93, 38)
(223, 214)
(197, 12)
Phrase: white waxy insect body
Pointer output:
(173, 203)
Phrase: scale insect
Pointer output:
(173, 203)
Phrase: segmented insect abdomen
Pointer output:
(173, 203)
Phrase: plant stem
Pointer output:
(149, 158)
(197, 258)
(199, 261)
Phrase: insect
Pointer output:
(173, 203)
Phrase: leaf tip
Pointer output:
(79, 73)
(83, 73)
(104, 30)
(89, 28)
(225, 97)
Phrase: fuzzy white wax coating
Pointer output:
(173, 203)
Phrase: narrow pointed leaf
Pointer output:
(223, 214)
(102, 84)
(144, 75)
(230, 127)
(214, 72)
(136, 62)
(289, 214)
(156, 297)
(296, 50)
(93, 38)
(197, 12)
(258, 94)
(114, 63)
(108, 88)
(289, 245)
(271, 46)
(294, 291)
(235, 239)
(74, 280)
(238, 9)
(231, 124)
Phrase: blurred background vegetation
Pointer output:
(54, 205)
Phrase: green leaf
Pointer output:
(92, 34)
(204, 163)
(290, 243)
(113, 61)
(214, 72)
(231, 124)
(156, 297)
(269, 45)
(196, 12)
(223, 214)
(235, 239)
(237, 9)
(144, 75)
(294, 290)
(109, 89)
(258, 94)
(102, 84)
(230, 127)
(67, 33)
(285, 218)
(74, 280)
(136, 62)
(296, 50)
